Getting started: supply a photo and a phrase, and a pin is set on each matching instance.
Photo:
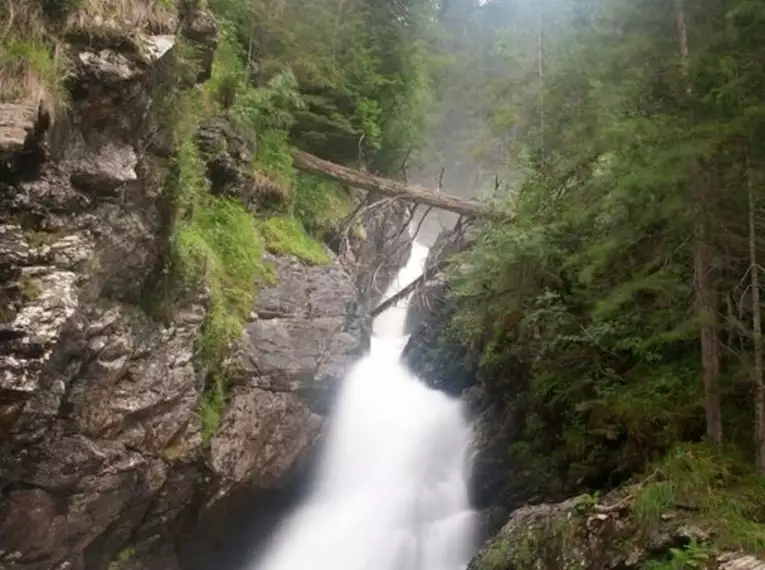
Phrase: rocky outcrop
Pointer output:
(103, 462)
(586, 534)
(305, 333)
(98, 402)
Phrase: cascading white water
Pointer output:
(391, 492)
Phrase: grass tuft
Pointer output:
(321, 203)
(123, 16)
(210, 408)
(214, 241)
(286, 235)
(722, 493)
(30, 72)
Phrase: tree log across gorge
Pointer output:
(365, 181)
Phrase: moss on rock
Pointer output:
(696, 508)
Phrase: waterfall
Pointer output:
(391, 491)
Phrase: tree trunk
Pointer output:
(707, 310)
(357, 179)
(759, 381)
(541, 74)
(706, 296)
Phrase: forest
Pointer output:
(615, 292)
(621, 142)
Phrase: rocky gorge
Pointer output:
(103, 456)
(156, 418)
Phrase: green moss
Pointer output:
(321, 204)
(123, 556)
(214, 240)
(211, 407)
(496, 555)
(720, 493)
(286, 235)
(526, 552)
(29, 288)
(41, 238)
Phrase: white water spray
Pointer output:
(391, 491)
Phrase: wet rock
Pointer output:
(306, 332)
(106, 168)
(108, 65)
(261, 436)
(113, 409)
(102, 459)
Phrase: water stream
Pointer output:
(391, 491)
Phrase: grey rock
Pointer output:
(157, 46)
(261, 436)
(307, 329)
(106, 168)
(109, 65)
(17, 122)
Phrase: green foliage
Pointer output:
(30, 288)
(496, 555)
(358, 65)
(211, 406)
(220, 244)
(721, 491)
(29, 71)
(273, 158)
(321, 204)
(580, 295)
(693, 555)
(286, 235)
(215, 241)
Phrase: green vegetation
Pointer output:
(123, 556)
(693, 555)
(721, 493)
(286, 235)
(321, 204)
(214, 240)
(210, 407)
(359, 66)
(311, 96)
(33, 69)
(99, 17)
(617, 280)
(30, 71)
(616, 297)
(30, 288)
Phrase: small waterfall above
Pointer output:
(391, 491)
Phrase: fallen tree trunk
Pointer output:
(310, 163)
(409, 289)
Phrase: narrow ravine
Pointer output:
(391, 489)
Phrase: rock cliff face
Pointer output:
(102, 457)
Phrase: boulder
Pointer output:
(584, 533)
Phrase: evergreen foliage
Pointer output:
(632, 131)
(359, 66)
